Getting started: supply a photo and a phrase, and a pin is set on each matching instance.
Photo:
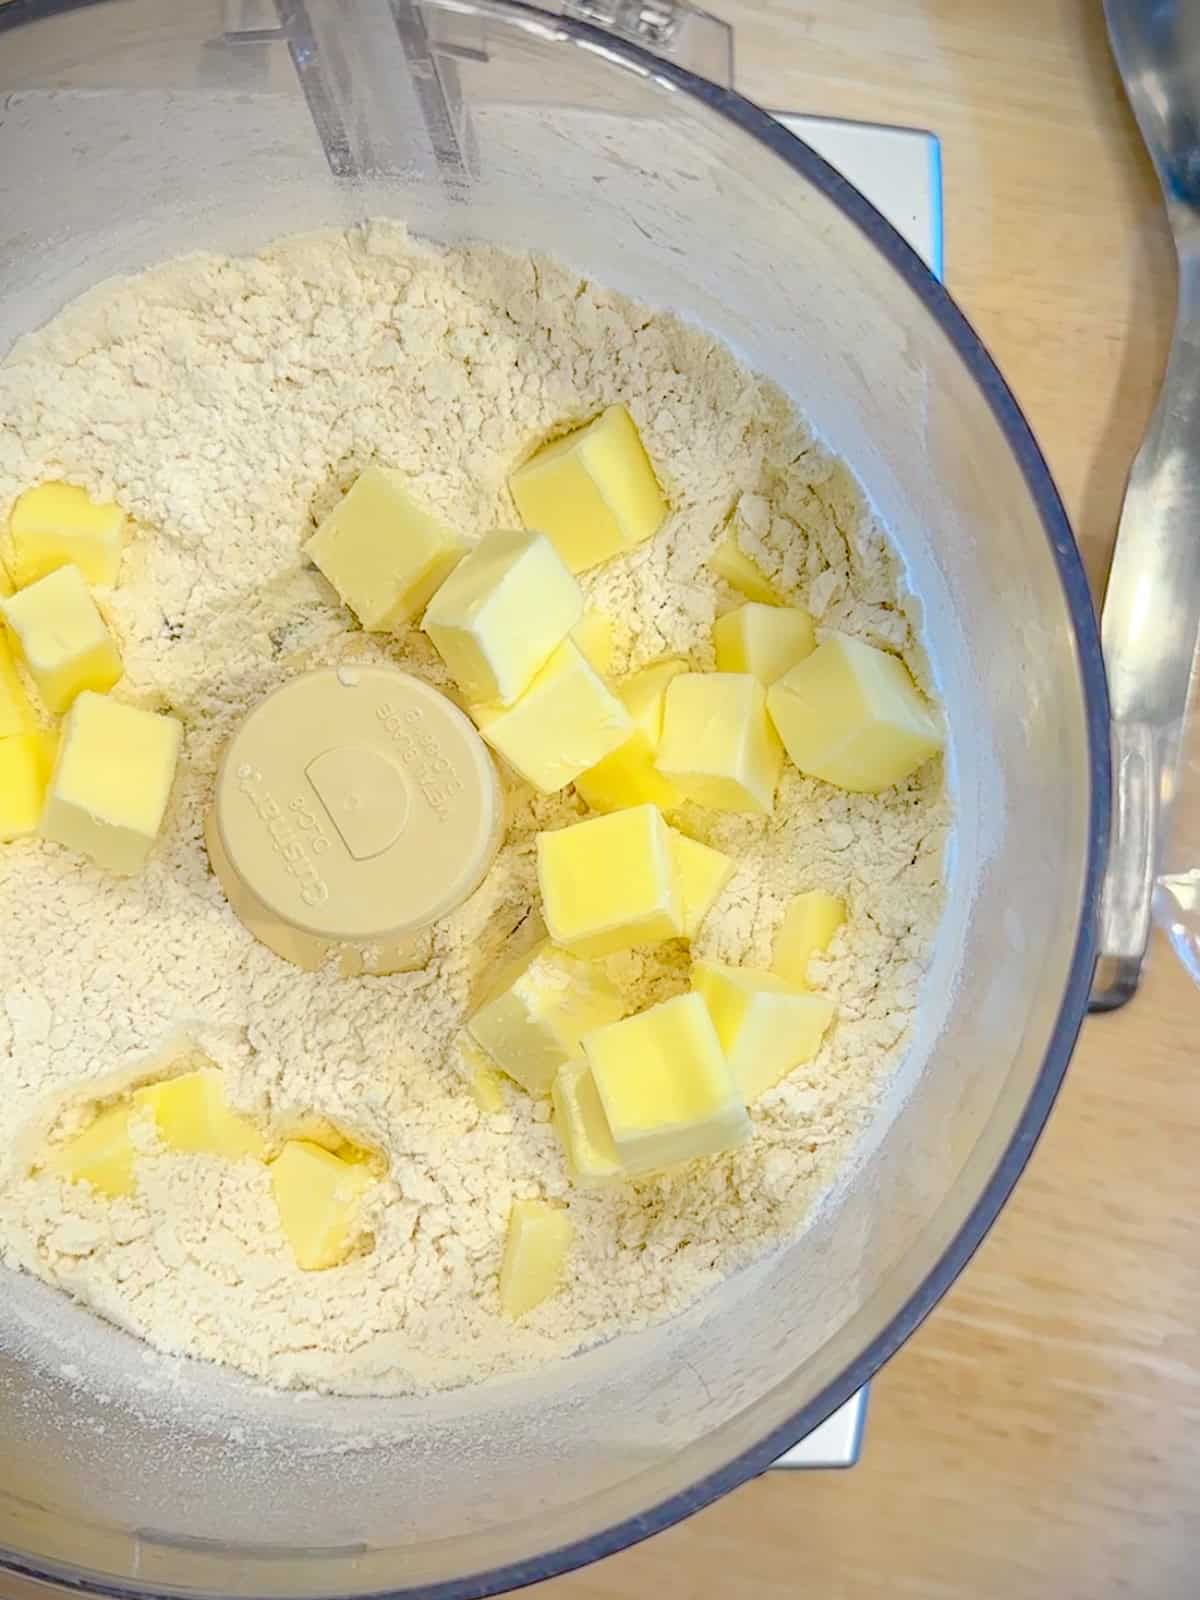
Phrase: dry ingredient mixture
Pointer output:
(226, 404)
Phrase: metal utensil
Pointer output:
(1151, 617)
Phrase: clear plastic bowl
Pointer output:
(134, 129)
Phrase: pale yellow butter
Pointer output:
(542, 1008)
(596, 635)
(851, 714)
(628, 777)
(501, 614)
(580, 1123)
(319, 1197)
(7, 586)
(718, 746)
(63, 638)
(766, 1027)
(702, 873)
(666, 1088)
(192, 1114)
(58, 525)
(112, 781)
(764, 641)
(16, 716)
(809, 923)
(567, 720)
(382, 551)
(535, 1255)
(101, 1155)
(26, 762)
(487, 1090)
(731, 562)
(609, 883)
(593, 492)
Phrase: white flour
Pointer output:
(226, 404)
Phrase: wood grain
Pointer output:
(1039, 1438)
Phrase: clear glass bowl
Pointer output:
(135, 129)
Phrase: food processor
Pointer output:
(602, 132)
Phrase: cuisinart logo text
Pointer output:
(295, 832)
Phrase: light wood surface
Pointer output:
(1039, 1438)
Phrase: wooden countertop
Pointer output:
(1039, 1438)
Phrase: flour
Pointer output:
(226, 404)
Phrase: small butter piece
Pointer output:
(501, 613)
(535, 1253)
(15, 713)
(487, 1090)
(113, 779)
(6, 584)
(809, 923)
(383, 553)
(609, 883)
(63, 638)
(593, 493)
(851, 714)
(26, 762)
(766, 1027)
(582, 1126)
(596, 635)
(101, 1155)
(58, 525)
(567, 720)
(666, 1088)
(764, 641)
(718, 746)
(702, 873)
(628, 777)
(319, 1196)
(543, 1007)
(731, 562)
(192, 1114)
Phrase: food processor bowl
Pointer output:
(137, 129)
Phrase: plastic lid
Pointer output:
(354, 804)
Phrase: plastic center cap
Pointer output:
(353, 805)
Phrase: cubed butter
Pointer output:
(112, 781)
(26, 762)
(596, 635)
(764, 641)
(502, 613)
(609, 883)
(593, 492)
(319, 1197)
(58, 525)
(540, 1011)
(718, 746)
(63, 638)
(702, 873)
(851, 714)
(730, 561)
(567, 720)
(535, 1254)
(766, 1027)
(15, 713)
(666, 1088)
(628, 777)
(809, 923)
(101, 1155)
(382, 551)
(487, 1090)
(192, 1114)
(582, 1126)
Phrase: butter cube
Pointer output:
(566, 721)
(63, 638)
(609, 883)
(192, 1115)
(487, 1091)
(593, 493)
(383, 553)
(596, 635)
(543, 1007)
(729, 561)
(851, 714)
(15, 713)
(101, 1155)
(58, 525)
(718, 746)
(763, 640)
(628, 777)
(501, 613)
(319, 1196)
(809, 923)
(110, 787)
(666, 1088)
(702, 873)
(535, 1253)
(766, 1027)
(26, 762)
(582, 1126)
